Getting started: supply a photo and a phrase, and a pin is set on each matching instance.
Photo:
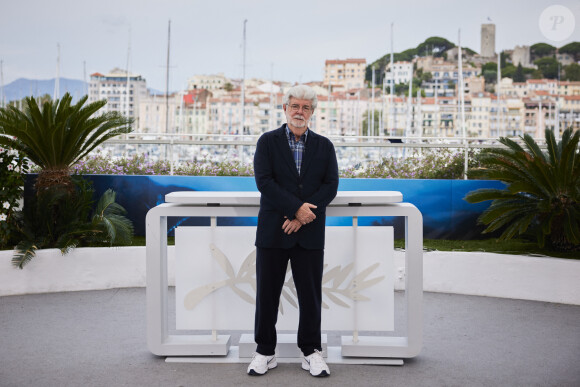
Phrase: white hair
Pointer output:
(301, 92)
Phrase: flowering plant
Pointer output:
(138, 164)
(420, 164)
(12, 170)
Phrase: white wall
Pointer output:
(482, 274)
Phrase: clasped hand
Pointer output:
(303, 216)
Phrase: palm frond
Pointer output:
(542, 193)
(59, 134)
(23, 253)
(108, 216)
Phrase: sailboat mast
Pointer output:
(372, 123)
(85, 91)
(391, 108)
(460, 87)
(498, 93)
(244, 78)
(167, 97)
(2, 83)
(167, 78)
(128, 92)
(409, 107)
(56, 94)
(462, 102)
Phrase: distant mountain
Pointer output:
(23, 87)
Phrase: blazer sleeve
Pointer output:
(327, 191)
(274, 193)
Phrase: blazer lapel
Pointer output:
(285, 150)
(309, 151)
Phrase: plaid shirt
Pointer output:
(297, 147)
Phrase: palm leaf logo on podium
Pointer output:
(246, 275)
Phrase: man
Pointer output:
(297, 174)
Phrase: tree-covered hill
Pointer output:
(543, 55)
(435, 46)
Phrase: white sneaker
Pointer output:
(315, 364)
(261, 364)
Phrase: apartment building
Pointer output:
(445, 72)
(540, 114)
(263, 112)
(345, 73)
(191, 114)
(570, 112)
(523, 107)
(481, 107)
(473, 85)
(122, 91)
(341, 113)
(568, 88)
(565, 59)
(507, 87)
(402, 72)
(446, 75)
(158, 113)
(208, 82)
(548, 85)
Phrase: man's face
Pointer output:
(298, 112)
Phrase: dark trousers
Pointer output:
(271, 266)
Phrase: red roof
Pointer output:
(344, 61)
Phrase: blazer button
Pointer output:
(300, 186)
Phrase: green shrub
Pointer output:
(12, 170)
(58, 218)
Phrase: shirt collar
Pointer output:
(290, 135)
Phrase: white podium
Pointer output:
(354, 349)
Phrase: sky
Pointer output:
(285, 40)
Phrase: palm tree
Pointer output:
(542, 195)
(55, 138)
(59, 135)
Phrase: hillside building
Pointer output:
(122, 91)
(345, 73)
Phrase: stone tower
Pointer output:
(487, 40)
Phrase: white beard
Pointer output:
(299, 123)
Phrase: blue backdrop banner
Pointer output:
(445, 214)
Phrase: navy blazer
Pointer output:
(284, 190)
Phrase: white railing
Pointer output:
(351, 150)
